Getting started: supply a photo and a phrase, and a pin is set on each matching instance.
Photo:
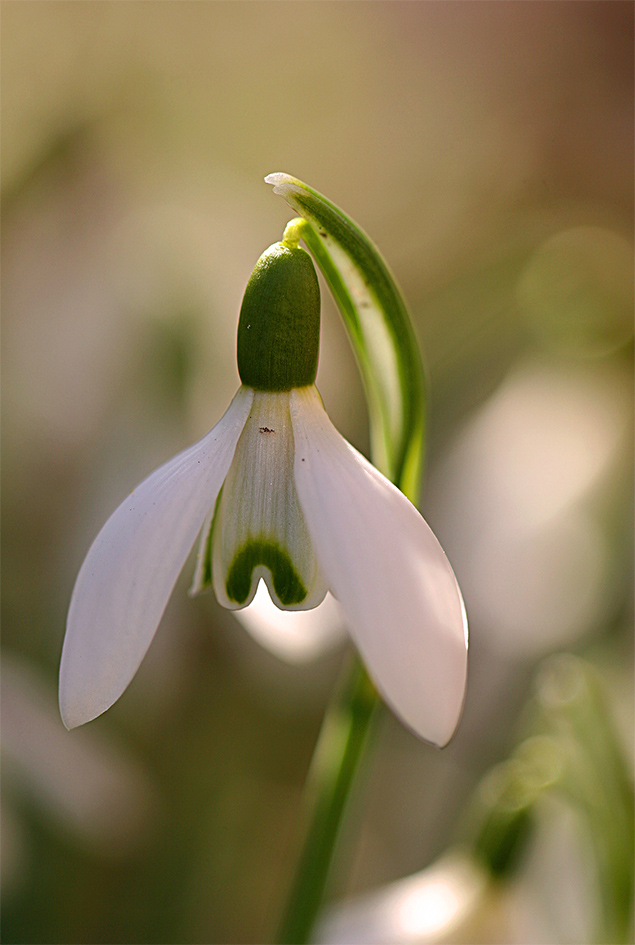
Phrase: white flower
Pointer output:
(316, 515)
(279, 496)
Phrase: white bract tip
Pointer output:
(282, 183)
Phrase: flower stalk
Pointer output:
(336, 761)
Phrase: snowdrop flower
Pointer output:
(279, 495)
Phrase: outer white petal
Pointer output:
(131, 568)
(388, 571)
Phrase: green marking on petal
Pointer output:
(286, 582)
(206, 574)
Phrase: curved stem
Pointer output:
(337, 755)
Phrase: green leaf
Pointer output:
(379, 326)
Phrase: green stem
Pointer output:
(337, 755)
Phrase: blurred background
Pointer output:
(487, 148)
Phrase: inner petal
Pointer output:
(263, 554)
(259, 529)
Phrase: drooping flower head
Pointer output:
(278, 495)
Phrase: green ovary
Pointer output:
(286, 581)
(279, 326)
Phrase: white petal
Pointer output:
(295, 636)
(131, 568)
(258, 529)
(388, 571)
(445, 902)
